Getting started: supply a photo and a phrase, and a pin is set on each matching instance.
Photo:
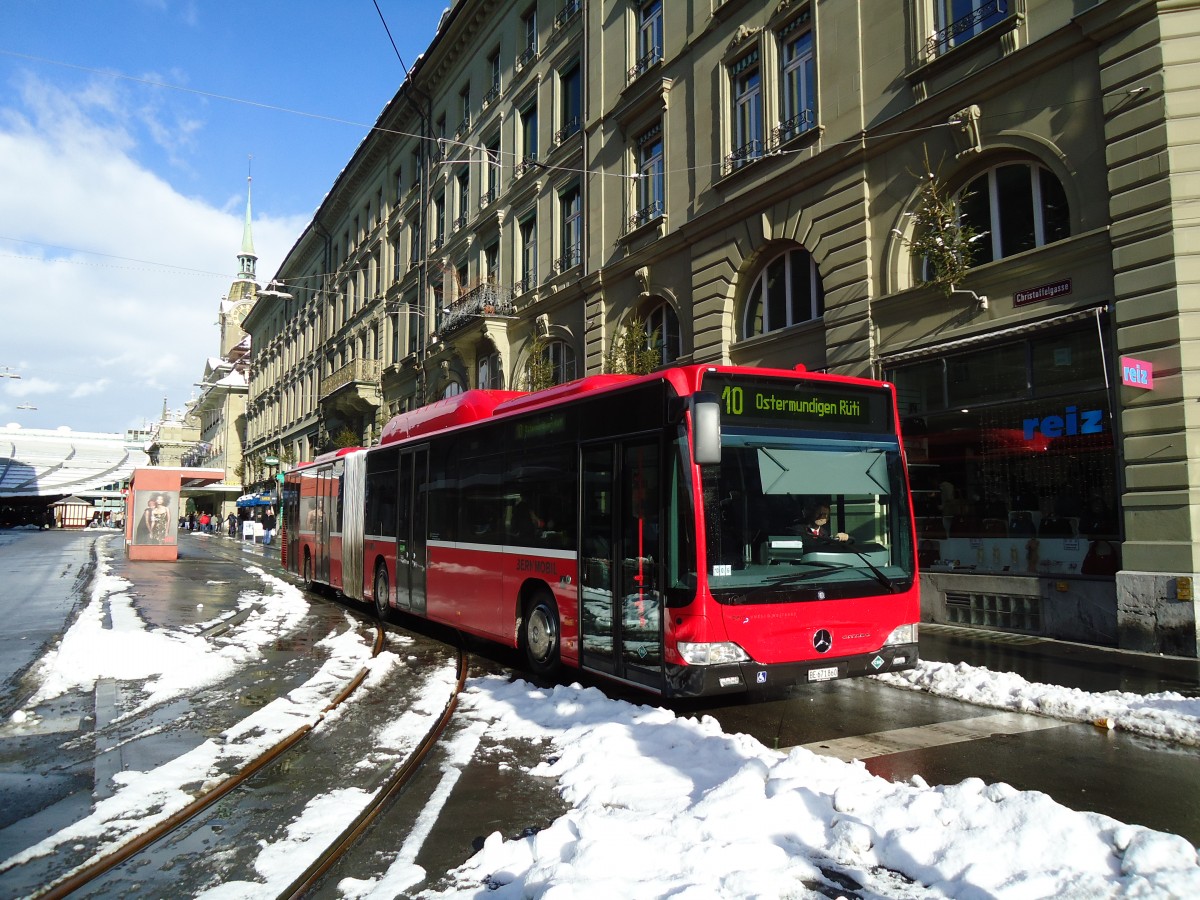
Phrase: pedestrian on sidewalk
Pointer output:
(268, 525)
(231, 524)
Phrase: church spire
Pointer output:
(246, 258)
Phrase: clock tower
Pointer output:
(243, 292)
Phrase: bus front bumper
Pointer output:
(752, 677)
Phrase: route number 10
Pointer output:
(734, 400)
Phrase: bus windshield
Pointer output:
(792, 519)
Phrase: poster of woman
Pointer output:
(155, 511)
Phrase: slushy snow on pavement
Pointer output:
(660, 805)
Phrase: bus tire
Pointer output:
(308, 572)
(540, 634)
(383, 608)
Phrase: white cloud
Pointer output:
(112, 332)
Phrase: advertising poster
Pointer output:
(155, 513)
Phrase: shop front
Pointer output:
(1015, 480)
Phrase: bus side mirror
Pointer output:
(706, 429)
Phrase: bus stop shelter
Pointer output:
(152, 509)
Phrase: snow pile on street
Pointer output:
(665, 806)
(1169, 716)
(172, 663)
(167, 664)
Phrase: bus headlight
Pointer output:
(905, 634)
(711, 654)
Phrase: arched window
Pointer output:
(1019, 205)
(561, 357)
(786, 292)
(555, 364)
(452, 389)
(662, 328)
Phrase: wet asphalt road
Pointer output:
(44, 578)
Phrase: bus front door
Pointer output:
(620, 561)
(412, 544)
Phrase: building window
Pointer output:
(798, 83)
(529, 30)
(464, 106)
(488, 375)
(560, 357)
(570, 86)
(650, 196)
(461, 280)
(529, 141)
(491, 190)
(787, 291)
(571, 236)
(528, 255)
(439, 220)
(1016, 207)
(662, 331)
(414, 326)
(491, 262)
(957, 21)
(414, 242)
(398, 180)
(463, 182)
(493, 92)
(747, 137)
(649, 37)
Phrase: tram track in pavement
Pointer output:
(136, 853)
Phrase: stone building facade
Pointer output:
(746, 177)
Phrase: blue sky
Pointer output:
(127, 130)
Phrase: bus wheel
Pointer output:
(383, 608)
(539, 633)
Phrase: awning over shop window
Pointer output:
(259, 499)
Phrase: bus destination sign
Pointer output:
(766, 402)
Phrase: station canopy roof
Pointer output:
(50, 463)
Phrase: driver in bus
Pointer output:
(816, 524)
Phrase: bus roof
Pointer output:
(469, 406)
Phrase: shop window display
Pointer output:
(1011, 458)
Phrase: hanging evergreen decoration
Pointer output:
(941, 236)
(633, 351)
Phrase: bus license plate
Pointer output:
(823, 674)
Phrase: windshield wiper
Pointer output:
(879, 576)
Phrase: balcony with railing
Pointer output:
(487, 299)
(645, 216)
(570, 9)
(352, 388)
(492, 95)
(526, 284)
(568, 260)
(797, 125)
(569, 128)
(644, 64)
(527, 57)
(742, 156)
(966, 27)
(488, 197)
(524, 166)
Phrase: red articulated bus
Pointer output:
(655, 529)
